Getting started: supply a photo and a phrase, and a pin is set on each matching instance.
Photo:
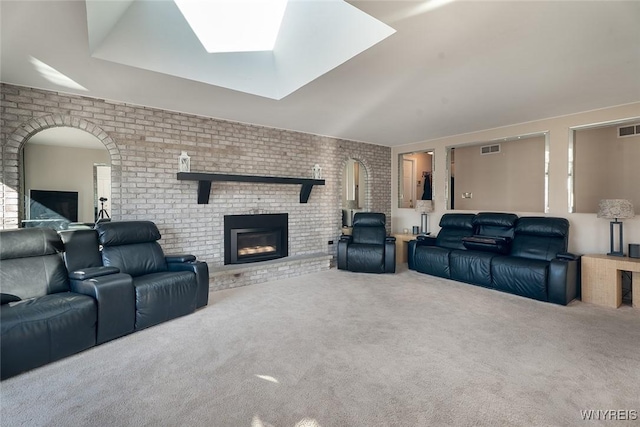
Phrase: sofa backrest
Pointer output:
(540, 237)
(132, 247)
(81, 249)
(30, 263)
(495, 224)
(369, 228)
(453, 227)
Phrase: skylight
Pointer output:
(234, 25)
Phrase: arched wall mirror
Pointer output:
(66, 176)
(509, 174)
(415, 178)
(354, 191)
(601, 158)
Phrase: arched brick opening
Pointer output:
(367, 169)
(12, 157)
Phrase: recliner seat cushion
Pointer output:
(365, 258)
(34, 276)
(135, 259)
(31, 265)
(432, 260)
(127, 232)
(29, 242)
(540, 238)
(41, 330)
(520, 276)
(471, 267)
(453, 227)
(164, 296)
(495, 224)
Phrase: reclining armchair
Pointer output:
(44, 317)
(165, 287)
(368, 249)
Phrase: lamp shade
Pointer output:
(424, 206)
(615, 209)
(351, 204)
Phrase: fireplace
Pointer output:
(253, 238)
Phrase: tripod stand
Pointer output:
(103, 212)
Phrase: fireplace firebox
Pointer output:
(253, 238)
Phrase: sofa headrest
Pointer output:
(494, 219)
(464, 221)
(369, 219)
(127, 232)
(29, 242)
(543, 226)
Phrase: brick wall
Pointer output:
(144, 144)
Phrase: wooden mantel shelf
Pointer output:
(205, 180)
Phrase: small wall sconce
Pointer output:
(184, 162)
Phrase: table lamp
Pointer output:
(615, 209)
(424, 207)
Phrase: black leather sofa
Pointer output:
(43, 316)
(57, 303)
(525, 256)
(368, 249)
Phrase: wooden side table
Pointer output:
(602, 280)
(402, 246)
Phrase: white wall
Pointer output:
(588, 234)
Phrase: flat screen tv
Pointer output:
(48, 204)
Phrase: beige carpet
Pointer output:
(345, 349)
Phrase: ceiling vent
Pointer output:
(629, 130)
(490, 149)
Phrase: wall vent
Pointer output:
(490, 149)
(628, 130)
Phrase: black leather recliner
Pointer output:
(165, 287)
(368, 249)
(44, 317)
(433, 255)
(538, 265)
(524, 256)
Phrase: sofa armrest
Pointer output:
(201, 270)
(92, 272)
(563, 280)
(346, 238)
(343, 245)
(567, 256)
(423, 240)
(179, 258)
(115, 298)
(390, 255)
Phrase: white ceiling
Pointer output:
(457, 68)
(315, 37)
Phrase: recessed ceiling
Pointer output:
(315, 37)
(450, 68)
(234, 25)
